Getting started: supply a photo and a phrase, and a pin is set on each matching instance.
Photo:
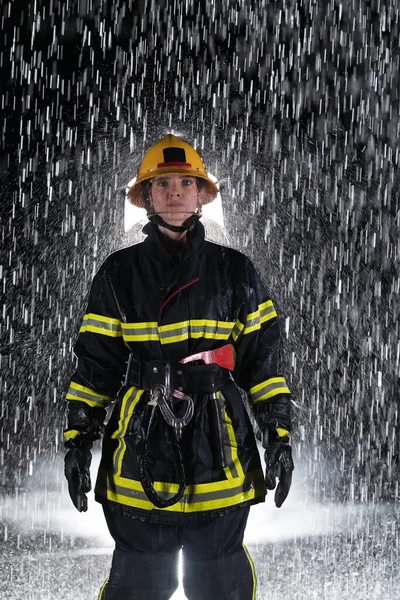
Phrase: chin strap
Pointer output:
(186, 225)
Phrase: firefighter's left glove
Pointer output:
(77, 471)
(84, 426)
(278, 464)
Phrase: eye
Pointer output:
(187, 182)
(161, 183)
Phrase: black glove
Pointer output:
(278, 464)
(77, 471)
(84, 426)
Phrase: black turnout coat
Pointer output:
(147, 302)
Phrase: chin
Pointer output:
(176, 221)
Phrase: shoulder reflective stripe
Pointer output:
(130, 400)
(253, 572)
(268, 389)
(85, 394)
(103, 325)
(198, 498)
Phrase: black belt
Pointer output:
(191, 379)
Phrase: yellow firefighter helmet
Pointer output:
(172, 156)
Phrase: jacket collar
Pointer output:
(157, 245)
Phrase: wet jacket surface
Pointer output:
(159, 307)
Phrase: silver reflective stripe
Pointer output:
(139, 331)
(170, 333)
(249, 483)
(268, 312)
(103, 485)
(252, 322)
(90, 322)
(74, 394)
(212, 329)
(269, 390)
(238, 328)
(128, 404)
(245, 486)
(129, 401)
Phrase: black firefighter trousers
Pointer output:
(216, 564)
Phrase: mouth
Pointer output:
(175, 204)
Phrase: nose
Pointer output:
(173, 189)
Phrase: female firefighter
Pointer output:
(175, 325)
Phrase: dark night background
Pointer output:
(295, 107)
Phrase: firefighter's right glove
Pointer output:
(84, 426)
(278, 464)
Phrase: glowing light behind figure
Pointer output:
(179, 594)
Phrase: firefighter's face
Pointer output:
(174, 197)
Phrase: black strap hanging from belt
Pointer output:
(159, 399)
(147, 482)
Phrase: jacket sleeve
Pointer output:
(100, 348)
(257, 333)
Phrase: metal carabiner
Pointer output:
(156, 393)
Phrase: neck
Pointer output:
(176, 238)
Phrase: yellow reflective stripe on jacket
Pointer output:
(174, 332)
(197, 497)
(268, 389)
(85, 394)
(282, 432)
(140, 332)
(129, 401)
(177, 332)
(254, 320)
(237, 330)
(264, 312)
(103, 325)
(217, 330)
(71, 434)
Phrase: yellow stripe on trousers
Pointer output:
(253, 572)
(103, 587)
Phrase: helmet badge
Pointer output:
(174, 157)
